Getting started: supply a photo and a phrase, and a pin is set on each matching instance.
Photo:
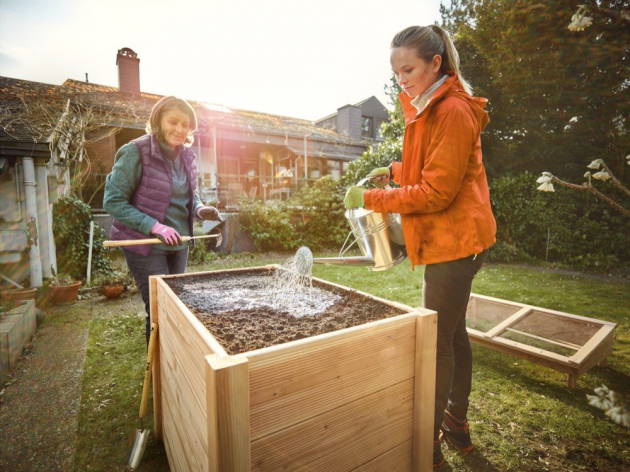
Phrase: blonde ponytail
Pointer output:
(429, 41)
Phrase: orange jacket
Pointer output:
(443, 196)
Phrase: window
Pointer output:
(367, 125)
(378, 129)
(334, 169)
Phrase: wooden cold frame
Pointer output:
(588, 346)
(360, 398)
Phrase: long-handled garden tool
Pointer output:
(139, 242)
(141, 436)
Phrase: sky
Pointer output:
(298, 58)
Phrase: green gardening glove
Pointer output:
(354, 197)
(379, 176)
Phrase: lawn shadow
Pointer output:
(475, 461)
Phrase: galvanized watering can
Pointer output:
(379, 237)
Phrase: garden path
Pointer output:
(39, 406)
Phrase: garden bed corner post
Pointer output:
(228, 409)
(424, 390)
(157, 386)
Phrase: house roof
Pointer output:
(127, 110)
(358, 104)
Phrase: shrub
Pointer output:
(582, 232)
(321, 222)
(201, 253)
(71, 229)
(269, 225)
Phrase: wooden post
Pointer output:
(227, 400)
(157, 392)
(424, 391)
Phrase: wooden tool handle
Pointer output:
(140, 242)
(147, 372)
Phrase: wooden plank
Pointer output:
(177, 434)
(187, 349)
(157, 380)
(516, 317)
(424, 391)
(194, 324)
(336, 431)
(282, 385)
(592, 344)
(307, 347)
(182, 391)
(285, 411)
(599, 355)
(327, 357)
(394, 460)
(566, 345)
(316, 373)
(514, 349)
(246, 270)
(355, 453)
(212, 422)
(230, 378)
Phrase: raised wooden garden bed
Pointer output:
(16, 327)
(360, 398)
(565, 342)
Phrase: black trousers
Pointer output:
(158, 262)
(447, 290)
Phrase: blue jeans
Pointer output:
(158, 262)
(447, 290)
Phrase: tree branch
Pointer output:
(614, 180)
(589, 188)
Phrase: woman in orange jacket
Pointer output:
(444, 203)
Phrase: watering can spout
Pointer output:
(356, 261)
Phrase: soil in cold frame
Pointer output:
(245, 329)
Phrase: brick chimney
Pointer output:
(128, 71)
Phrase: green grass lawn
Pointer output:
(522, 416)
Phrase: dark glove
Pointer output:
(166, 234)
(208, 213)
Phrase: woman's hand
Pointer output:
(166, 234)
(379, 176)
(354, 197)
(208, 213)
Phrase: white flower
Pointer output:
(588, 174)
(615, 397)
(601, 391)
(546, 187)
(600, 402)
(619, 415)
(596, 164)
(544, 178)
(601, 175)
(628, 159)
(579, 22)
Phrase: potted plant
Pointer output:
(112, 283)
(64, 289)
(17, 294)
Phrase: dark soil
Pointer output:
(243, 330)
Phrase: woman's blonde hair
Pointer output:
(166, 104)
(429, 41)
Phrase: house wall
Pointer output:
(349, 121)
